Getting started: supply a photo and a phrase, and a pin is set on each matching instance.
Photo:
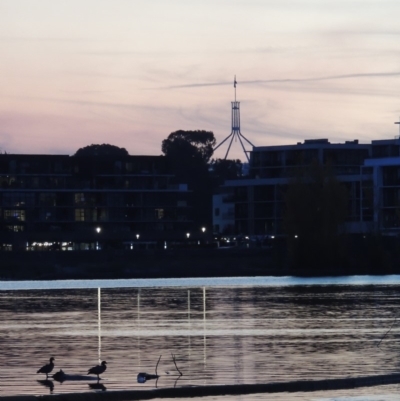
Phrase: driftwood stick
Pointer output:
(387, 332)
(159, 359)
(176, 366)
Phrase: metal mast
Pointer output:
(235, 133)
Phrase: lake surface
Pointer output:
(218, 331)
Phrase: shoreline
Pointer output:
(175, 263)
(219, 390)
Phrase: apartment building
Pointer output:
(370, 172)
(70, 202)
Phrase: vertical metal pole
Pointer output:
(138, 325)
(99, 319)
(189, 327)
(204, 329)
(189, 307)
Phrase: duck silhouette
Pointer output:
(47, 368)
(98, 370)
(59, 376)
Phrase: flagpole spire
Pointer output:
(235, 133)
(234, 85)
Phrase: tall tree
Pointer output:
(186, 145)
(316, 208)
(188, 154)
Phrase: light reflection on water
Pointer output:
(219, 334)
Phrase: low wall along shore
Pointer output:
(134, 264)
(203, 391)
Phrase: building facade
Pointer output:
(71, 202)
(370, 173)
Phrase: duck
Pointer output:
(47, 368)
(59, 376)
(98, 370)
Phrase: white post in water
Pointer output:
(189, 326)
(138, 325)
(99, 319)
(204, 327)
(189, 307)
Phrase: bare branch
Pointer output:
(387, 332)
(159, 359)
(176, 366)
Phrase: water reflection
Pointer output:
(97, 386)
(217, 335)
(47, 383)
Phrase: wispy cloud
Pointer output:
(366, 32)
(289, 80)
(50, 39)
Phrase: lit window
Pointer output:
(14, 215)
(79, 214)
(15, 229)
(159, 213)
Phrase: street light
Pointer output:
(137, 236)
(98, 230)
(203, 230)
(187, 235)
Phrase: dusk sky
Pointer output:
(130, 72)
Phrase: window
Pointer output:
(79, 198)
(47, 199)
(115, 199)
(15, 229)
(79, 214)
(159, 213)
(14, 215)
(18, 199)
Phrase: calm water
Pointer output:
(221, 331)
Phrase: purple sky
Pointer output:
(130, 72)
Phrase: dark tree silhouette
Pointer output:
(101, 150)
(188, 154)
(316, 208)
(225, 169)
(186, 145)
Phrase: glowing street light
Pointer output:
(187, 235)
(98, 230)
(203, 229)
